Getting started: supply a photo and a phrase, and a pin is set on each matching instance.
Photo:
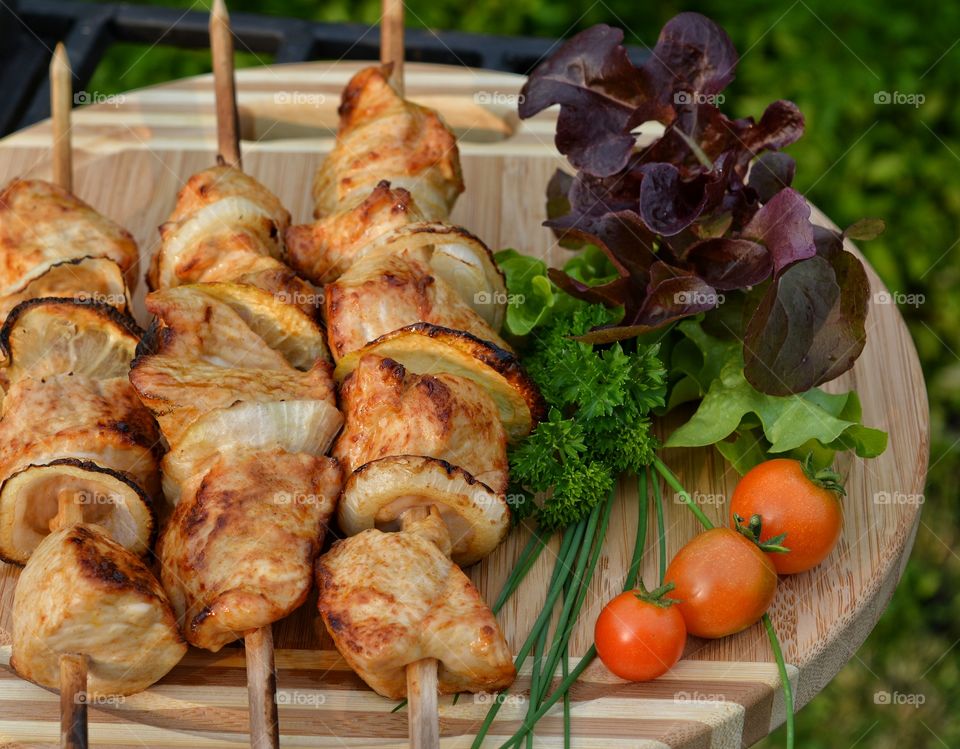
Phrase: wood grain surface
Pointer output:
(133, 152)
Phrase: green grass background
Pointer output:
(857, 159)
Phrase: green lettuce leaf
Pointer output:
(749, 426)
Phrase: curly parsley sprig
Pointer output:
(598, 425)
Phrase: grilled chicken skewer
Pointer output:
(431, 394)
(75, 448)
(237, 372)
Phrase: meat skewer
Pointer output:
(423, 715)
(71, 507)
(238, 375)
(73, 666)
(258, 644)
(430, 394)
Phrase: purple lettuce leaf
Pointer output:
(598, 90)
(783, 226)
(809, 327)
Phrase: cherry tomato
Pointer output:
(637, 638)
(791, 500)
(723, 581)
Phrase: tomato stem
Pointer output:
(784, 678)
(657, 597)
(752, 530)
(825, 478)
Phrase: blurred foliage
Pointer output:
(859, 158)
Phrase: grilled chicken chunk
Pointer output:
(323, 250)
(82, 592)
(218, 182)
(390, 599)
(238, 550)
(228, 227)
(384, 292)
(389, 411)
(382, 136)
(41, 224)
(179, 392)
(73, 416)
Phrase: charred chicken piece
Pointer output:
(384, 292)
(41, 225)
(434, 349)
(228, 227)
(323, 250)
(382, 136)
(83, 592)
(391, 599)
(390, 411)
(238, 550)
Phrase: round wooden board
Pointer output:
(133, 152)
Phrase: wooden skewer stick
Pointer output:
(73, 666)
(391, 40)
(262, 689)
(228, 118)
(73, 701)
(423, 716)
(258, 644)
(61, 103)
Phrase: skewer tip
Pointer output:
(219, 12)
(61, 102)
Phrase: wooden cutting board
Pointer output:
(132, 154)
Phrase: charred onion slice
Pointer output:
(375, 495)
(87, 278)
(460, 259)
(427, 349)
(82, 591)
(29, 501)
(295, 426)
(44, 337)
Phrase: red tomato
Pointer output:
(723, 581)
(791, 501)
(638, 639)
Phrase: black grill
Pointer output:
(30, 29)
